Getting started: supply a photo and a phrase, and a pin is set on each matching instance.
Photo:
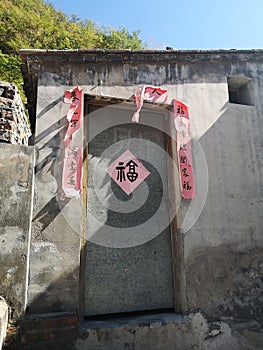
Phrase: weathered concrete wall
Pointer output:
(222, 247)
(16, 169)
(55, 243)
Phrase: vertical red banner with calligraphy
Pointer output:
(72, 167)
(184, 152)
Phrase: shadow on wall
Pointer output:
(50, 211)
(52, 164)
(60, 296)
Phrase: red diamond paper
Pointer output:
(127, 172)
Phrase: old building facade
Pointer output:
(108, 252)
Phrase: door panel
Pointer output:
(127, 277)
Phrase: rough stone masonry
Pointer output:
(14, 126)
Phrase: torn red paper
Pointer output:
(72, 167)
(74, 97)
(148, 93)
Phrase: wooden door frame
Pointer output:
(173, 185)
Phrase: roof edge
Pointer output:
(24, 51)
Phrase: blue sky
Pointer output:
(185, 24)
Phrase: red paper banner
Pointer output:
(184, 152)
(74, 97)
(148, 93)
(72, 167)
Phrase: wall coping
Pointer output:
(137, 56)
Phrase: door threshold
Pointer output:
(140, 318)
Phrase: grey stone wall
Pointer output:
(16, 170)
(221, 229)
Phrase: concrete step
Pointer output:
(169, 331)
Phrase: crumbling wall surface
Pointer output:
(227, 280)
(169, 332)
(16, 170)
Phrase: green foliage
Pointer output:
(10, 71)
(10, 68)
(119, 39)
(36, 24)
